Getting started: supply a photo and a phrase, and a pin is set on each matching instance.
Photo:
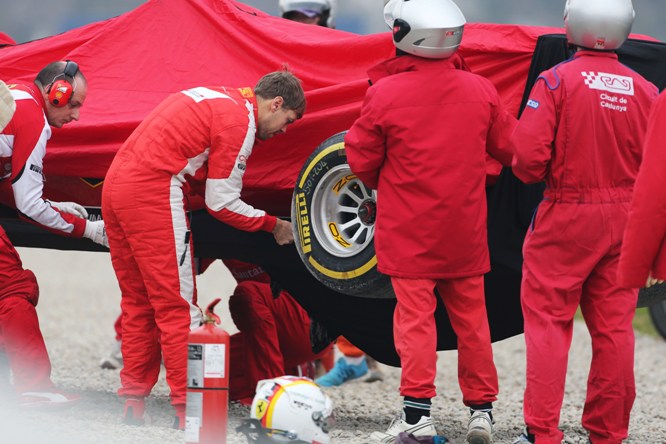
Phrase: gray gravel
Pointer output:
(79, 302)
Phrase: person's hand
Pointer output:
(283, 233)
(652, 281)
(96, 232)
(71, 208)
(7, 105)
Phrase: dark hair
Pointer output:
(284, 84)
(54, 71)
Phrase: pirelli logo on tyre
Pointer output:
(303, 223)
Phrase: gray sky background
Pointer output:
(26, 20)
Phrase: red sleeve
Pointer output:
(365, 143)
(498, 144)
(30, 133)
(534, 135)
(230, 150)
(644, 245)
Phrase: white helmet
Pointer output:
(426, 28)
(598, 24)
(324, 9)
(289, 409)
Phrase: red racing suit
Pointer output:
(22, 150)
(425, 129)
(644, 244)
(20, 337)
(582, 132)
(204, 134)
(274, 336)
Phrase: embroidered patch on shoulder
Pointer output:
(533, 104)
(246, 92)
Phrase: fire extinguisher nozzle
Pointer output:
(210, 316)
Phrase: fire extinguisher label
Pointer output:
(214, 361)
(195, 365)
(193, 416)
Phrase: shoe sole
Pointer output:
(478, 437)
(374, 377)
(49, 405)
(383, 439)
(134, 421)
(106, 365)
(130, 419)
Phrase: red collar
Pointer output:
(592, 53)
(405, 63)
(34, 92)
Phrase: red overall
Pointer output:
(644, 245)
(20, 337)
(582, 132)
(425, 129)
(274, 335)
(202, 135)
(22, 150)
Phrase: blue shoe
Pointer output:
(342, 372)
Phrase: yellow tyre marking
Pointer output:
(333, 228)
(330, 149)
(344, 274)
(323, 270)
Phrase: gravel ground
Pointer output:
(79, 302)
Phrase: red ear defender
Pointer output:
(60, 92)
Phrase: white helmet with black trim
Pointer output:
(288, 409)
(426, 28)
(324, 9)
(598, 24)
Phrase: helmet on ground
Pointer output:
(288, 409)
(598, 24)
(323, 9)
(426, 28)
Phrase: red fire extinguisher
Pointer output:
(207, 382)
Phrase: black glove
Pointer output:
(276, 288)
(320, 336)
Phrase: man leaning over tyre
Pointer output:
(421, 141)
(200, 137)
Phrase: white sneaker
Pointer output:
(114, 359)
(47, 400)
(425, 427)
(523, 438)
(480, 428)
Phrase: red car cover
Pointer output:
(133, 61)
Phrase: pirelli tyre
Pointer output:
(655, 299)
(658, 315)
(648, 297)
(333, 215)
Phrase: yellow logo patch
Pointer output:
(246, 92)
(261, 408)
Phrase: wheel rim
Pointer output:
(345, 211)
